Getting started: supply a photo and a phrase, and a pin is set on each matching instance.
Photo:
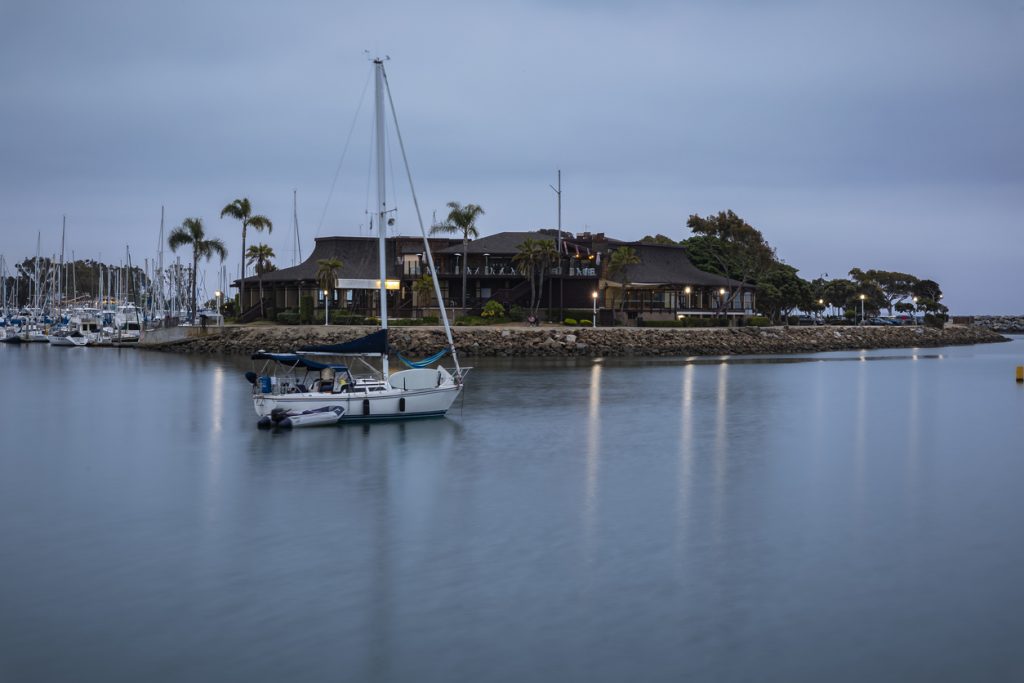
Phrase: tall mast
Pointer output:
(160, 266)
(297, 247)
(60, 273)
(381, 198)
(35, 274)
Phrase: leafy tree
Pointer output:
(461, 221)
(726, 244)
(780, 290)
(424, 289)
(260, 256)
(241, 210)
(839, 292)
(658, 239)
(618, 265)
(191, 232)
(929, 295)
(890, 287)
(927, 289)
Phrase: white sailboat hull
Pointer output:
(388, 404)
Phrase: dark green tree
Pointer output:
(780, 290)
(726, 244)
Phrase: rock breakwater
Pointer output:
(1012, 324)
(511, 341)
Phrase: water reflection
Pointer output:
(705, 528)
(593, 462)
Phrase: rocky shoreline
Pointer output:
(512, 341)
(1011, 324)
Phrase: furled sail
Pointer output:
(372, 344)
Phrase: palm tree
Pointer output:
(242, 210)
(191, 232)
(260, 256)
(461, 220)
(327, 276)
(527, 259)
(547, 255)
(621, 259)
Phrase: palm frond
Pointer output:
(446, 228)
(259, 222)
(179, 237)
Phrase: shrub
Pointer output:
(586, 323)
(345, 318)
(569, 321)
(758, 321)
(306, 310)
(493, 309)
(516, 313)
(473, 320)
(288, 317)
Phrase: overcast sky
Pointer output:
(852, 134)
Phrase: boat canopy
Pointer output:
(296, 360)
(375, 344)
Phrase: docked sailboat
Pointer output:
(345, 375)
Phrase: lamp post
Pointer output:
(687, 291)
(327, 307)
(821, 309)
(862, 309)
(218, 294)
(593, 321)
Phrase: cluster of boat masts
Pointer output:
(53, 312)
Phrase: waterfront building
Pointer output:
(663, 285)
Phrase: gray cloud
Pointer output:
(869, 134)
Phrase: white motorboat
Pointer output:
(317, 377)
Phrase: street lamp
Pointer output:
(862, 297)
(593, 321)
(218, 294)
(687, 291)
(327, 307)
(821, 307)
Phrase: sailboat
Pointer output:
(317, 380)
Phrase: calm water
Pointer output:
(832, 517)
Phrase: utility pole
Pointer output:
(561, 275)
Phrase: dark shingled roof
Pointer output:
(506, 243)
(501, 243)
(665, 264)
(358, 256)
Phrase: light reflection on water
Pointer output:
(784, 518)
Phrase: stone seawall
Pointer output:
(416, 342)
(1013, 324)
